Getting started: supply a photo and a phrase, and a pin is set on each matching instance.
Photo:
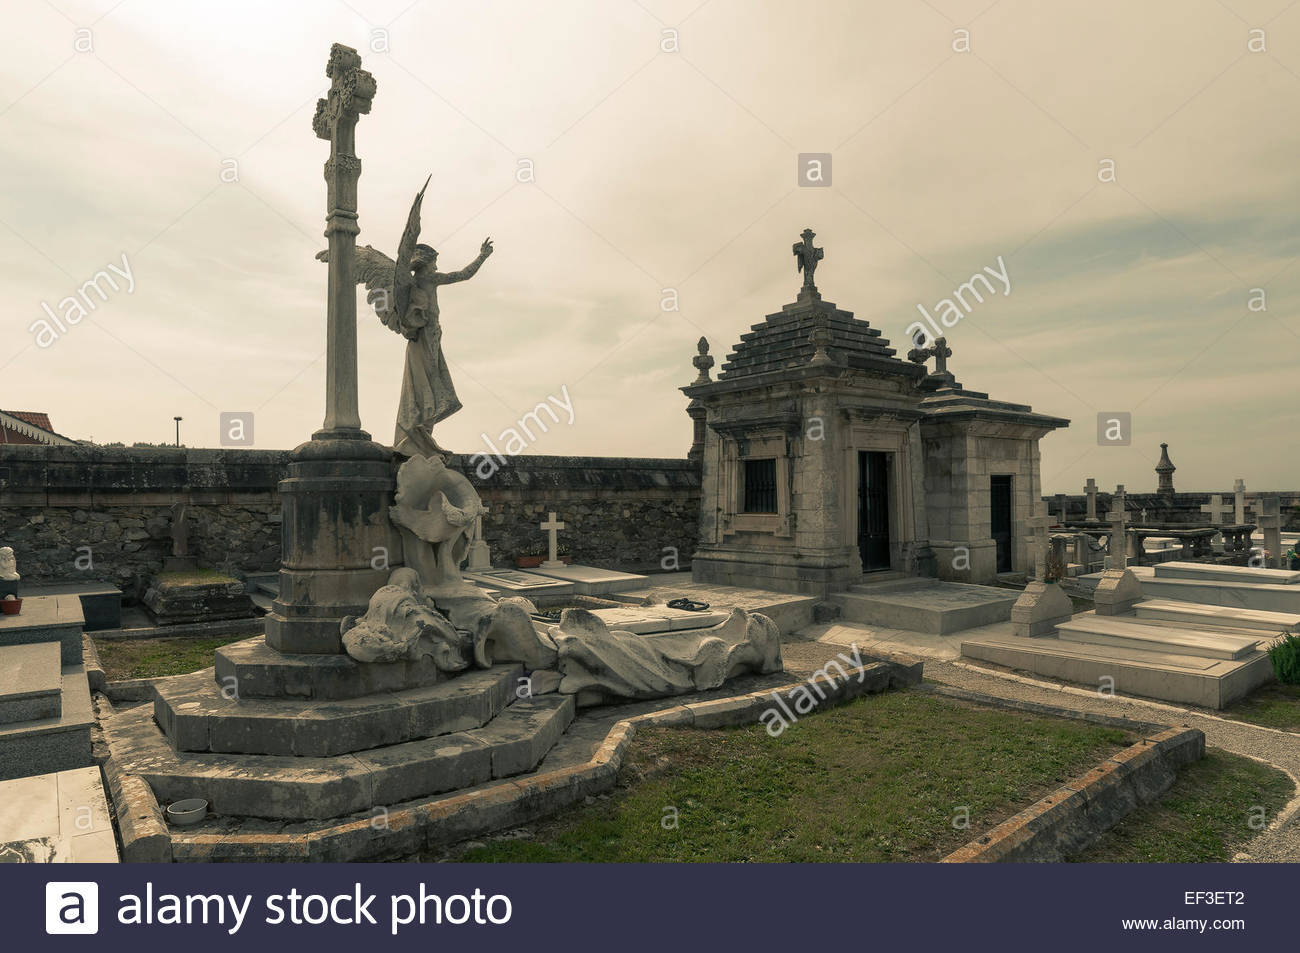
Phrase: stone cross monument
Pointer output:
(1215, 509)
(1091, 490)
(1239, 502)
(1118, 519)
(351, 89)
(1039, 526)
(337, 544)
(553, 527)
(1270, 523)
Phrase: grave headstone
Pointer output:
(480, 556)
(180, 559)
(1091, 490)
(1270, 523)
(1239, 502)
(1038, 526)
(552, 527)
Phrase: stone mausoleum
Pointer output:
(826, 457)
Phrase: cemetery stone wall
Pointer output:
(82, 513)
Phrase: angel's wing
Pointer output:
(405, 249)
(378, 273)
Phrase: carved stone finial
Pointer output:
(820, 338)
(940, 351)
(703, 362)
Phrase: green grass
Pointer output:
(1213, 809)
(880, 779)
(153, 658)
(1274, 706)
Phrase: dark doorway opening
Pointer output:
(873, 510)
(1000, 516)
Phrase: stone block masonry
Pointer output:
(76, 514)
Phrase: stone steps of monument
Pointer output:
(1119, 632)
(196, 716)
(258, 671)
(53, 618)
(937, 608)
(1201, 614)
(31, 682)
(302, 788)
(1260, 596)
(1167, 676)
(53, 743)
(1207, 572)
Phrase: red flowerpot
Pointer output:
(528, 562)
(11, 606)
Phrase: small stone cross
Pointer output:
(1091, 489)
(1118, 519)
(1269, 518)
(1239, 501)
(808, 256)
(1215, 509)
(1039, 525)
(553, 527)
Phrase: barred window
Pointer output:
(760, 486)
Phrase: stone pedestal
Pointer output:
(337, 544)
(1040, 609)
(1117, 592)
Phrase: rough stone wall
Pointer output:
(98, 513)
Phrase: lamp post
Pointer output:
(178, 429)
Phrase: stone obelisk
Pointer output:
(337, 544)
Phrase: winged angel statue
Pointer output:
(404, 293)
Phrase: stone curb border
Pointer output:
(186, 630)
(1073, 816)
(141, 828)
(444, 820)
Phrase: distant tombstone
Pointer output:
(1060, 507)
(1239, 501)
(1091, 490)
(1215, 509)
(180, 560)
(552, 527)
(480, 556)
(1270, 522)
(1038, 526)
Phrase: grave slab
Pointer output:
(516, 582)
(60, 817)
(31, 681)
(47, 619)
(1207, 572)
(590, 581)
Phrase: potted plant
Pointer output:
(530, 556)
(11, 605)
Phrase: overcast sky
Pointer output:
(667, 169)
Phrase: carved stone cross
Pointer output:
(1269, 518)
(808, 256)
(940, 351)
(1091, 489)
(1215, 509)
(351, 89)
(1118, 519)
(180, 529)
(1038, 526)
(553, 526)
(1239, 501)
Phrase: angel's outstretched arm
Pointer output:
(447, 277)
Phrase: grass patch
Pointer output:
(1273, 705)
(153, 658)
(1204, 818)
(880, 779)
